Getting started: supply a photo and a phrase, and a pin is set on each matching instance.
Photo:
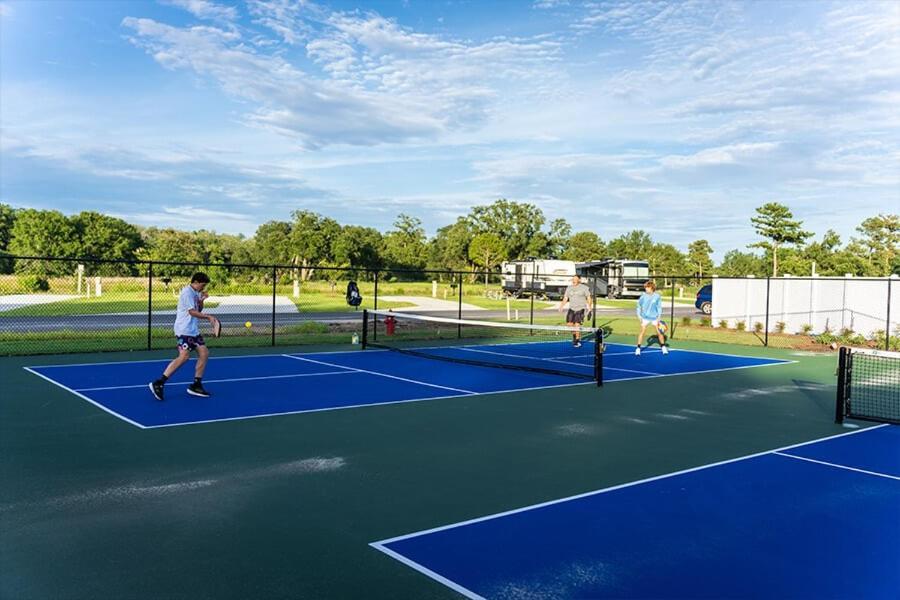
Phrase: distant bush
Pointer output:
(686, 321)
(723, 323)
(780, 326)
(758, 327)
(34, 283)
(740, 326)
(705, 322)
(806, 328)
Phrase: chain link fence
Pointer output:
(56, 305)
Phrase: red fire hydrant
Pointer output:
(390, 325)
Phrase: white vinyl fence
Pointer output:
(824, 303)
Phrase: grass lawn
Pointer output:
(131, 302)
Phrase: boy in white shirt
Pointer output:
(187, 331)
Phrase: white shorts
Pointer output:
(645, 322)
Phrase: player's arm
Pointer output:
(200, 315)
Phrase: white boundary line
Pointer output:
(381, 544)
(837, 466)
(379, 374)
(143, 385)
(774, 364)
(408, 401)
(83, 397)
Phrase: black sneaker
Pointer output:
(157, 388)
(196, 389)
(577, 344)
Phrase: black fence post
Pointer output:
(459, 308)
(150, 305)
(766, 340)
(672, 312)
(594, 302)
(887, 325)
(274, 294)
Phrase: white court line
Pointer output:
(381, 544)
(428, 572)
(650, 373)
(434, 385)
(774, 364)
(83, 397)
(837, 466)
(330, 408)
(143, 385)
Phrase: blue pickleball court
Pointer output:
(276, 384)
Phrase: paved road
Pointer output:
(106, 322)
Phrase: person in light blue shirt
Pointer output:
(187, 332)
(649, 311)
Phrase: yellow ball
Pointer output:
(248, 324)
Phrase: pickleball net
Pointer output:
(868, 385)
(516, 346)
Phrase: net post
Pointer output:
(274, 293)
(598, 357)
(459, 308)
(364, 339)
(375, 304)
(887, 325)
(150, 305)
(768, 282)
(842, 387)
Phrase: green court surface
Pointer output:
(286, 506)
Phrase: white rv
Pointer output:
(544, 278)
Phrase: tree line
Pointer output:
(480, 241)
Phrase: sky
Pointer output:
(678, 118)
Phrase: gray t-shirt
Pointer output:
(578, 296)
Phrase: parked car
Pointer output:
(704, 299)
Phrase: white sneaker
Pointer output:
(665, 350)
(637, 351)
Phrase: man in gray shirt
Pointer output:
(580, 302)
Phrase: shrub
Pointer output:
(807, 327)
(686, 321)
(705, 322)
(34, 283)
(310, 327)
(758, 327)
(723, 323)
(740, 326)
(846, 332)
(780, 326)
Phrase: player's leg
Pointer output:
(640, 339)
(662, 341)
(184, 355)
(196, 388)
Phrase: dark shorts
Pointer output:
(190, 342)
(575, 316)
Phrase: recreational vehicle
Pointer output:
(616, 278)
(542, 278)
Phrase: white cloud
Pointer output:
(723, 155)
(204, 9)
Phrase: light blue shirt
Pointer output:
(649, 306)
(185, 324)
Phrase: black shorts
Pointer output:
(190, 342)
(575, 316)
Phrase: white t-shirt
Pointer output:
(185, 324)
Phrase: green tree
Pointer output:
(698, 257)
(584, 246)
(404, 245)
(43, 233)
(881, 240)
(358, 247)
(107, 238)
(667, 260)
(486, 251)
(513, 222)
(312, 236)
(172, 245)
(636, 245)
(553, 243)
(740, 264)
(449, 248)
(7, 220)
(272, 243)
(776, 225)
